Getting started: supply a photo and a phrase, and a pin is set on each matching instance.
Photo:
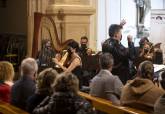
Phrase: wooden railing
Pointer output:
(107, 106)
(6, 108)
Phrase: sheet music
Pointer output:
(158, 67)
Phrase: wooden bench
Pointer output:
(6, 108)
(107, 106)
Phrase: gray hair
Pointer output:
(29, 66)
(106, 60)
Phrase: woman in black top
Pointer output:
(73, 63)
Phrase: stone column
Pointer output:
(74, 18)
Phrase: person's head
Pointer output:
(46, 43)
(73, 46)
(129, 38)
(45, 80)
(84, 41)
(6, 71)
(162, 81)
(146, 70)
(143, 41)
(146, 47)
(106, 61)
(89, 51)
(115, 31)
(29, 67)
(66, 82)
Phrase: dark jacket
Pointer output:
(21, 91)
(121, 57)
(33, 101)
(63, 103)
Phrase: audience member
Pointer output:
(159, 107)
(25, 86)
(44, 88)
(65, 99)
(6, 80)
(73, 62)
(120, 54)
(83, 46)
(105, 84)
(141, 93)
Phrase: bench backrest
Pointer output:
(107, 106)
(6, 108)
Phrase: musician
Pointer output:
(89, 52)
(143, 41)
(45, 55)
(83, 46)
(73, 63)
(147, 51)
(119, 52)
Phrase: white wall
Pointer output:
(112, 11)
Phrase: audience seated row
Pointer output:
(50, 92)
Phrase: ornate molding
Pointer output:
(71, 9)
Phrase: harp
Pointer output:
(46, 21)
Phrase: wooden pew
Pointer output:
(107, 106)
(6, 108)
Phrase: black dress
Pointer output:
(77, 71)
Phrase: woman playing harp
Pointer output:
(73, 63)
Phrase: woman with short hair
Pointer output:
(6, 80)
(65, 99)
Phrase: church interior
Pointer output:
(82, 56)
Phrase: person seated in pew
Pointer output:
(65, 99)
(73, 62)
(159, 107)
(141, 93)
(6, 80)
(105, 84)
(25, 86)
(44, 88)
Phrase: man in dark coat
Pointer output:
(120, 54)
(25, 86)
